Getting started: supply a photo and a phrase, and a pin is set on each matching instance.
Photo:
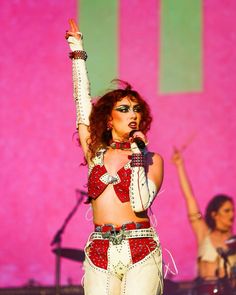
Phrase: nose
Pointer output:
(232, 213)
(133, 114)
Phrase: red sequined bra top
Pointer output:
(99, 179)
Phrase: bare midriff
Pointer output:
(107, 208)
(209, 270)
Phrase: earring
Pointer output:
(109, 126)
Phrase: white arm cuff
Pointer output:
(81, 92)
(75, 44)
(142, 190)
(81, 85)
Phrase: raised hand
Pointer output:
(177, 158)
(73, 30)
(74, 37)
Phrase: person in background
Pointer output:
(212, 231)
(123, 254)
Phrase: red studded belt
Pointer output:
(127, 231)
(126, 226)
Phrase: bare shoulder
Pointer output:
(154, 159)
(155, 168)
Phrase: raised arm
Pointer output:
(81, 85)
(194, 215)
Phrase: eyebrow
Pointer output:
(127, 105)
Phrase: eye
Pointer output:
(137, 109)
(122, 109)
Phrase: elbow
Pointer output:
(138, 208)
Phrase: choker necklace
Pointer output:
(122, 145)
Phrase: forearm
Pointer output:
(187, 190)
(81, 85)
(142, 189)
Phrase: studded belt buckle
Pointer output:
(117, 238)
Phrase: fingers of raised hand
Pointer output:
(73, 31)
(73, 26)
(175, 155)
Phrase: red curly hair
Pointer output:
(100, 137)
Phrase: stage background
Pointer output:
(40, 161)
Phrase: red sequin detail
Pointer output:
(96, 186)
(141, 247)
(122, 188)
(98, 253)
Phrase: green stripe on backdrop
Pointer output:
(181, 46)
(98, 20)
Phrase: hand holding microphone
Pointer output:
(138, 140)
(223, 253)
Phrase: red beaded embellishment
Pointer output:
(141, 247)
(98, 253)
(96, 186)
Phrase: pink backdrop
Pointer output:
(41, 163)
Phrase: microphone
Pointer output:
(223, 253)
(231, 242)
(140, 143)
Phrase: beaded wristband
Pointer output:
(78, 54)
(195, 216)
(137, 160)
